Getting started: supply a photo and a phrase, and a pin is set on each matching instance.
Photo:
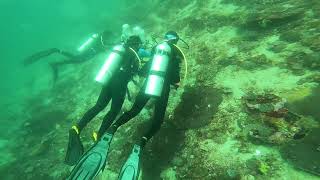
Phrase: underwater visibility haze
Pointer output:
(160, 89)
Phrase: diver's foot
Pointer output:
(143, 142)
(95, 137)
(75, 148)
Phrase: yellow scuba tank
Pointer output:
(86, 44)
(158, 70)
(111, 65)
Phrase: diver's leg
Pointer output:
(77, 59)
(67, 54)
(158, 116)
(75, 148)
(117, 102)
(55, 65)
(138, 105)
(103, 100)
(37, 56)
(131, 168)
(133, 160)
(72, 59)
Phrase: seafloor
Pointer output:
(248, 109)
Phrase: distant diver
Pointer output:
(97, 43)
(162, 71)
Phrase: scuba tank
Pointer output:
(111, 64)
(158, 70)
(87, 44)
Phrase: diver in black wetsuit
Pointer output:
(163, 71)
(114, 89)
(171, 77)
(96, 44)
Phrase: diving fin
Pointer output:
(75, 147)
(131, 169)
(93, 161)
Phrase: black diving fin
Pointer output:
(75, 148)
(93, 161)
(131, 169)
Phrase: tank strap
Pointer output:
(118, 52)
(158, 73)
(136, 54)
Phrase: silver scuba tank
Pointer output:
(158, 70)
(87, 44)
(111, 65)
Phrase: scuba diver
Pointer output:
(96, 44)
(162, 71)
(115, 74)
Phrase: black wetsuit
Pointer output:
(115, 90)
(172, 77)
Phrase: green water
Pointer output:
(246, 59)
